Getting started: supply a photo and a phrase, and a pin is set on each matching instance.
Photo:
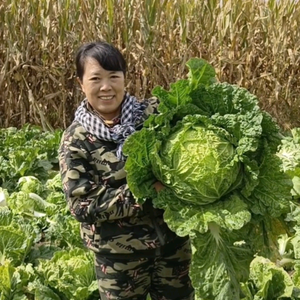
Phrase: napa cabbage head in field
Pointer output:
(198, 163)
(209, 140)
(214, 150)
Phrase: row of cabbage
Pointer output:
(41, 254)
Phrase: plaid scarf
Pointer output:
(131, 113)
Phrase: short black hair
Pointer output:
(108, 56)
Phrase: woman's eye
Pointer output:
(95, 78)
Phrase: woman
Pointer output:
(135, 252)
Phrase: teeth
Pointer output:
(106, 98)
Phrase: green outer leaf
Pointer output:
(200, 72)
(176, 96)
(139, 174)
(289, 153)
(231, 213)
(270, 281)
(45, 293)
(220, 262)
(71, 272)
(14, 244)
(6, 274)
(296, 186)
(262, 233)
(272, 194)
(6, 216)
(296, 275)
(30, 184)
(14, 280)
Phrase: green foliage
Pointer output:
(36, 225)
(268, 281)
(215, 151)
(27, 152)
(70, 272)
(210, 170)
(15, 244)
(289, 154)
(14, 281)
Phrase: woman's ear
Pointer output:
(80, 82)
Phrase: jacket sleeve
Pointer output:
(90, 201)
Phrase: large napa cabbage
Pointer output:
(200, 165)
(214, 149)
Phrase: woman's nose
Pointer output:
(105, 85)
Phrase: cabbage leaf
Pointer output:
(215, 150)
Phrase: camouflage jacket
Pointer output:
(98, 196)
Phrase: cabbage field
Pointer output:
(41, 254)
(232, 182)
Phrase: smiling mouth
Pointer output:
(105, 97)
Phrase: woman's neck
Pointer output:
(110, 121)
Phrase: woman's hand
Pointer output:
(158, 186)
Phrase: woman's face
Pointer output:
(103, 89)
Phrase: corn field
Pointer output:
(252, 43)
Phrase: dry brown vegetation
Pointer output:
(254, 44)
